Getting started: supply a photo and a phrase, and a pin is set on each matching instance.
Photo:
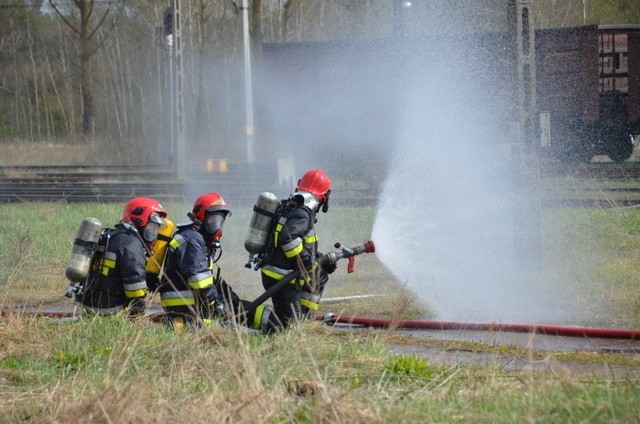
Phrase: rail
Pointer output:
(241, 186)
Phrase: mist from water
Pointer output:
(445, 219)
(429, 118)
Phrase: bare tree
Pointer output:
(83, 29)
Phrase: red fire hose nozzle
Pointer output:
(333, 257)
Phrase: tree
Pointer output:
(85, 29)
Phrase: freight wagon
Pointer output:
(587, 80)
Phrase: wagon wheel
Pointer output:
(621, 146)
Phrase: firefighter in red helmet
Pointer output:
(117, 277)
(295, 247)
(192, 292)
(189, 291)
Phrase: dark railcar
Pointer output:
(587, 79)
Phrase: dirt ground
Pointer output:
(548, 353)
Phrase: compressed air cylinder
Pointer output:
(261, 223)
(82, 251)
(156, 261)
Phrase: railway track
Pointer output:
(240, 184)
(121, 183)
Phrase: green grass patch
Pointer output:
(115, 370)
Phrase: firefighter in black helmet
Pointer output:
(117, 277)
(295, 247)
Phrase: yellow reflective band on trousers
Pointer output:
(200, 281)
(177, 298)
(257, 318)
(133, 290)
(135, 293)
(309, 304)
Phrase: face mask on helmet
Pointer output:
(212, 225)
(150, 231)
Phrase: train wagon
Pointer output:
(588, 79)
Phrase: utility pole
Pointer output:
(170, 36)
(165, 40)
(179, 90)
(527, 232)
(248, 84)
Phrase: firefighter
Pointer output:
(189, 290)
(192, 292)
(294, 247)
(117, 280)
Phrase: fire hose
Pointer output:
(331, 319)
(551, 330)
(333, 257)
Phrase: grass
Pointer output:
(36, 239)
(99, 370)
(115, 370)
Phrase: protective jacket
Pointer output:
(294, 247)
(188, 288)
(117, 276)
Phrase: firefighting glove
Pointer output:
(307, 260)
(327, 265)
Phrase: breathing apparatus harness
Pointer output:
(94, 251)
(265, 253)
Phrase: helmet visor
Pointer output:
(153, 227)
(150, 232)
(156, 218)
(213, 223)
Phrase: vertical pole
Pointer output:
(178, 91)
(170, 146)
(248, 87)
(527, 211)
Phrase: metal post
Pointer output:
(168, 42)
(178, 91)
(248, 88)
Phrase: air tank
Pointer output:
(156, 261)
(83, 248)
(261, 223)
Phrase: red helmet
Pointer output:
(141, 210)
(317, 183)
(207, 203)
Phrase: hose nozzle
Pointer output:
(343, 252)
